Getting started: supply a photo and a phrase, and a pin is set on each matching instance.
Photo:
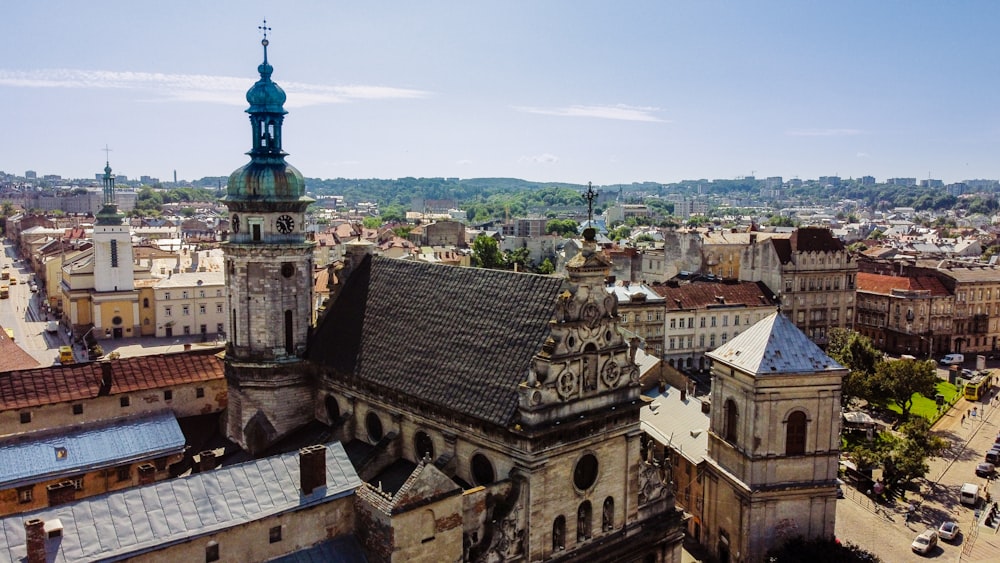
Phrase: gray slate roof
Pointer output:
(681, 425)
(773, 346)
(33, 458)
(459, 338)
(127, 523)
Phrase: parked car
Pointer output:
(925, 542)
(52, 326)
(948, 531)
(985, 469)
(993, 456)
(953, 359)
(33, 287)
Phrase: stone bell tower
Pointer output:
(269, 266)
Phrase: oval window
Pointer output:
(585, 472)
(374, 426)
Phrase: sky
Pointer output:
(544, 90)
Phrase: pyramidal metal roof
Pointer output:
(773, 346)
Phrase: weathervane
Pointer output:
(589, 195)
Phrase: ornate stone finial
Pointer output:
(264, 29)
(590, 195)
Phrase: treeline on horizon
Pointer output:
(497, 196)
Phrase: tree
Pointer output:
(546, 267)
(562, 227)
(518, 256)
(898, 380)
(908, 460)
(371, 222)
(782, 221)
(486, 253)
(857, 353)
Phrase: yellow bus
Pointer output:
(10, 333)
(977, 387)
(5, 273)
(4, 291)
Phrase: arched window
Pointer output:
(795, 434)
(423, 445)
(559, 534)
(608, 515)
(289, 343)
(427, 526)
(145, 302)
(583, 518)
(482, 470)
(732, 420)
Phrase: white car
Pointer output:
(948, 531)
(925, 542)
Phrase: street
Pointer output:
(23, 314)
(884, 530)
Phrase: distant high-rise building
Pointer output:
(30, 174)
(868, 180)
(929, 183)
(830, 180)
(902, 181)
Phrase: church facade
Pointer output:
(493, 415)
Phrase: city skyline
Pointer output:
(555, 91)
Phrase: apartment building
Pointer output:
(701, 316)
(813, 276)
(905, 314)
(191, 303)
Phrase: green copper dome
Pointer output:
(267, 182)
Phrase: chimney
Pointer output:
(147, 473)
(207, 461)
(34, 539)
(105, 388)
(312, 468)
(706, 407)
(684, 396)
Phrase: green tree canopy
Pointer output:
(818, 550)
(858, 354)
(486, 253)
(898, 380)
(371, 222)
(562, 227)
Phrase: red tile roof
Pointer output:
(57, 384)
(699, 295)
(12, 356)
(877, 283)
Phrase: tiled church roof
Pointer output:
(459, 338)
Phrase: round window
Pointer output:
(116, 321)
(374, 426)
(585, 473)
(287, 269)
(482, 470)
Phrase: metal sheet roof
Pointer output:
(680, 425)
(127, 523)
(773, 346)
(42, 456)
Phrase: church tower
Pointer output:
(269, 266)
(114, 299)
(112, 243)
(773, 442)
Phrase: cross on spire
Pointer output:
(589, 195)
(264, 29)
(107, 154)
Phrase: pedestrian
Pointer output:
(963, 419)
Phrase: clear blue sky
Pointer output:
(575, 91)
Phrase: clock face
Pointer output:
(285, 224)
(236, 223)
